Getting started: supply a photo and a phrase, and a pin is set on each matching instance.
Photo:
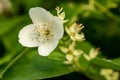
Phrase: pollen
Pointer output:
(43, 32)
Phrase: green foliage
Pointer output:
(32, 66)
(101, 20)
(84, 63)
(106, 63)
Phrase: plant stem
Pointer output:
(77, 65)
(106, 11)
(13, 61)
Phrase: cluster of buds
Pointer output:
(75, 34)
(92, 54)
(61, 14)
(74, 31)
(71, 53)
(110, 74)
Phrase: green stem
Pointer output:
(106, 11)
(13, 61)
(77, 65)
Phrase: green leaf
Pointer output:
(85, 46)
(30, 3)
(106, 63)
(9, 33)
(116, 60)
(94, 73)
(83, 63)
(9, 36)
(10, 54)
(32, 67)
(57, 55)
(10, 24)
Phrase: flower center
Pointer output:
(43, 32)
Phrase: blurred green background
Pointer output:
(101, 19)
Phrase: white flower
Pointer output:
(44, 33)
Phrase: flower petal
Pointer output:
(46, 48)
(57, 27)
(26, 36)
(39, 15)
